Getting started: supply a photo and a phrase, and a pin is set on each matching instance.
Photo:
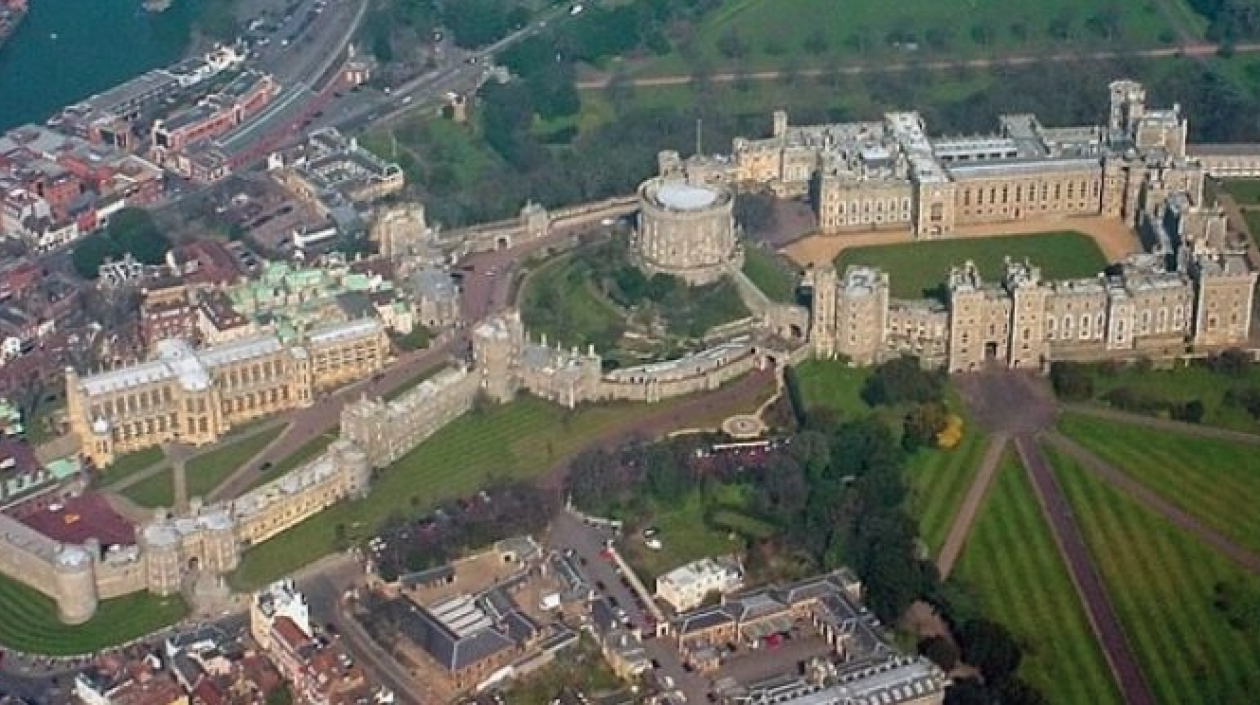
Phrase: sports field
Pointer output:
(918, 269)
(519, 440)
(1162, 583)
(1216, 481)
(28, 621)
(1012, 564)
(772, 33)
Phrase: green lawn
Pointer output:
(1246, 192)
(1161, 582)
(1253, 224)
(559, 301)
(154, 491)
(1184, 384)
(309, 451)
(770, 273)
(939, 480)
(208, 471)
(30, 621)
(1032, 593)
(521, 440)
(685, 534)
(917, 269)
(776, 33)
(1217, 481)
(834, 386)
(129, 464)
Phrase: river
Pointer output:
(67, 50)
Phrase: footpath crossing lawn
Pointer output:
(208, 471)
(520, 440)
(939, 480)
(1216, 481)
(918, 269)
(28, 621)
(1013, 566)
(1162, 583)
(129, 464)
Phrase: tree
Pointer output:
(921, 425)
(279, 695)
(900, 380)
(816, 42)
(941, 651)
(1072, 381)
(732, 45)
(988, 646)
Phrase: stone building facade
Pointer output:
(686, 228)
(195, 396)
(891, 174)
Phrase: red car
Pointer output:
(606, 554)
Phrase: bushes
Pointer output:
(903, 380)
(1138, 402)
(1072, 381)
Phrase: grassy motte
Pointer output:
(918, 269)
(1216, 481)
(1032, 593)
(774, 276)
(1163, 585)
(30, 622)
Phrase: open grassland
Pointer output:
(1014, 568)
(207, 471)
(1246, 192)
(28, 621)
(1184, 384)
(520, 440)
(939, 480)
(1216, 481)
(774, 33)
(917, 269)
(1162, 583)
(771, 273)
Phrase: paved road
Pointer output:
(1098, 609)
(966, 516)
(1201, 49)
(1189, 429)
(1179, 517)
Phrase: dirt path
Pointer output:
(1196, 49)
(1136, 490)
(1112, 236)
(1067, 536)
(1189, 429)
(966, 515)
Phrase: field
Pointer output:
(833, 386)
(30, 621)
(1032, 593)
(771, 274)
(938, 481)
(129, 464)
(309, 451)
(1246, 192)
(1184, 384)
(1216, 481)
(207, 471)
(685, 533)
(157, 490)
(1162, 583)
(519, 440)
(918, 269)
(772, 33)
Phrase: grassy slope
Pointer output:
(917, 268)
(1160, 581)
(1014, 567)
(522, 439)
(1185, 384)
(155, 491)
(1218, 482)
(583, 316)
(685, 535)
(770, 274)
(30, 621)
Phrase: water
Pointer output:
(66, 50)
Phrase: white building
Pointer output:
(687, 586)
(280, 599)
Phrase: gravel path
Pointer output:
(966, 516)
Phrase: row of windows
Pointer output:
(1004, 194)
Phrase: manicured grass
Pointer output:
(208, 471)
(154, 491)
(1217, 481)
(917, 269)
(939, 480)
(30, 621)
(776, 32)
(1013, 566)
(309, 451)
(834, 386)
(685, 534)
(1246, 192)
(410, 384)
(519, 440)
(1184, 384)
(770, 273)
(1161, 582)
(1253, 224)
(129, 464)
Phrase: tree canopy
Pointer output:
(130, 230)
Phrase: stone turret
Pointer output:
(76, 584)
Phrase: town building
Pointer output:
(436, 296)
(214, 115)
(687, 586)
(195, 396)
(331, 170)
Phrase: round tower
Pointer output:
(76, 584)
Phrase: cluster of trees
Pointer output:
(902, 381)
(1139, 401)
(997, 654)
(458, 527)
(1230, 20)
(1072, 381)
(130, 230)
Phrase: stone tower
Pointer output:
(822, 328)
(1224, 288)
(497, 344)
(1027, 342)
(861, 315)
(1128, 105)
(73, 571)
